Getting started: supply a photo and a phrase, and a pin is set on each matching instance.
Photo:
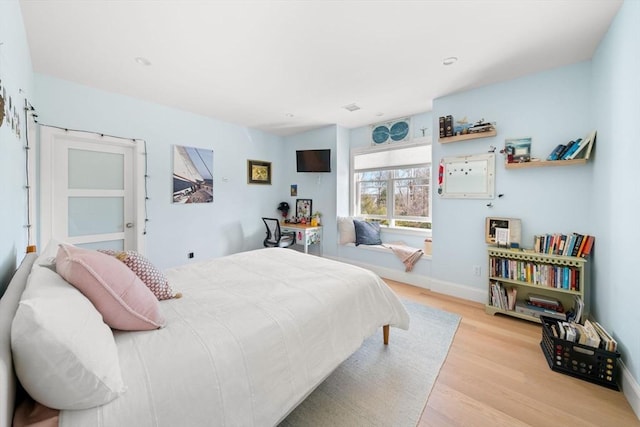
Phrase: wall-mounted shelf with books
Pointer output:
(543, 163)
(458, 138)
(576, 152)
(518, 278)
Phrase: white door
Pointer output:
(90, 190)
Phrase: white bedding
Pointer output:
(253, 335)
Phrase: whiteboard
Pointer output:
(469, 177)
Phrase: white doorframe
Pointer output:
(48, 135)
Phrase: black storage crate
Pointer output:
(587, 363)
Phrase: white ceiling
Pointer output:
(289, 66)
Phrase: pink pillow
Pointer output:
(155, 280)
(119, 295)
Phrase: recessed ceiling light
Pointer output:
(289, 115)
(450, 60)
(351, 107)
(142, 61)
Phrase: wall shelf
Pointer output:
(543, 163)
(468, 136)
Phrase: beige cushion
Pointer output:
(346, 230)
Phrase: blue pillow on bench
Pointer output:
(367, 233)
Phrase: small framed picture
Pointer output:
(303, 210)
(294, 190)
(258, 172)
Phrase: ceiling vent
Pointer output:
(351, 107)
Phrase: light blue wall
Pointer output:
(232, 222)
(615, 184)
(17, 79)
(319, 187)
(551, 108)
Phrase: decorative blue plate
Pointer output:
(399, 131)
(380, 134)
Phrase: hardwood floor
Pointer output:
(496, 375)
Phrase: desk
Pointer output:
(305, 235)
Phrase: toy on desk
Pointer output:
(284, 208)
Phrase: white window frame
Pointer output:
(354, 190)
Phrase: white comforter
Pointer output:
(253, 335)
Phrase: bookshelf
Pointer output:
(533, 273)
(458, 138)
(544, 163)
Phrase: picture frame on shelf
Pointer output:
(258, 172)
(518, 150)
(493, 224)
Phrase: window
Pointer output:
(404, 173)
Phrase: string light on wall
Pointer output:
(144, 166)
(29, 112)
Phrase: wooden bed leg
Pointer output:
(385, 334)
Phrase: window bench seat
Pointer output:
(382, 261)
(381, 248)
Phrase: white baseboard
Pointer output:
(389, 273)
(460, 291)
(630, 388)
(442, 287)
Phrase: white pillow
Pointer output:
(64, 354)
(346, 230)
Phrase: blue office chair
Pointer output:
(276, 238)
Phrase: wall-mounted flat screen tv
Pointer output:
(313, 160)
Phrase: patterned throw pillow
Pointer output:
(147, 272)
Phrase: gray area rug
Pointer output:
(385, 386)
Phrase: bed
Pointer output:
(252, 336)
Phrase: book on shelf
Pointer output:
(575, 315)
(524, 307)
(542, 274)
(556, 152)
(572, 149)
(545, 302)
(591, 140)
(585, 249)
(576, 149)
(448, 126)
(442, 126)
(575, 244)
(502, 297)
(579, 148)
(567, 148)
